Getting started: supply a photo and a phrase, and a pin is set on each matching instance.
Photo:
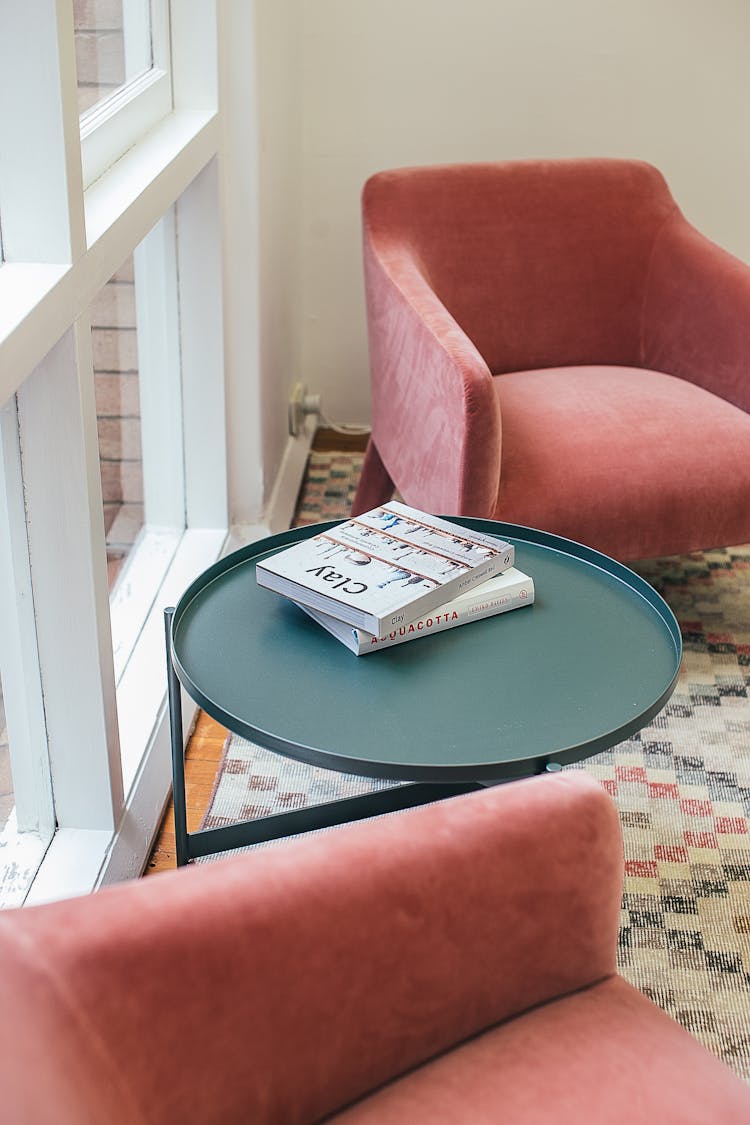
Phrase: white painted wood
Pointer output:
(139, 35)
(146, 801)
(202, 351)
(57, 420)
(40, 175)
(141, 692)
(71, 865)
(121, 119)
(116, 123)
(160, 379)
(136, 589)
(280, 509)
(20, 856)
(150, 788)
(123, 204)
(21, 683)
(23, 289)
(43, 300)
(122, 207)
(79, 862)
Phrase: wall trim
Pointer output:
(283, 499)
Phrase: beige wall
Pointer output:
(398, 82)
(280, 200)
(261, 200)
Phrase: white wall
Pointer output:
(397, 82)
(241, 273)
(261, 192)
(280, 156)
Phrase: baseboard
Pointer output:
(282, 502)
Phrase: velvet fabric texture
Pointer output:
(477, 275)
(285, 985)
(601, 1056)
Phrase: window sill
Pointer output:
(21, 853)
(161, 165)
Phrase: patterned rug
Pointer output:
(682, 786)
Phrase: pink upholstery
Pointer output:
(468, 946)
(601, 1055)
(478, 276)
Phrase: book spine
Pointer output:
(454, 588)
(448, 618)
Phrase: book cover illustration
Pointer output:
(510, 590)
(369, 569)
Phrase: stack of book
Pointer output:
(395, 574)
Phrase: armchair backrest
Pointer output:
(542, 263)
(278, 986)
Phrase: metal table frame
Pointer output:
(419, 784)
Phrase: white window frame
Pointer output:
(31, 826)
(114, 124)
(24, 704)
(110, 779)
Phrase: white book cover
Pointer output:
(379, 570)
(510, 590)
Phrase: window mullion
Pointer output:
(21, 682)
(57, 422)
(202, 351)
(40, 146)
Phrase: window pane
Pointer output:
(113, 46)
(137, 389)
(115, 351)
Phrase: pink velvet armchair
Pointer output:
(451, 964)
(553, 344)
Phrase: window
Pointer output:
(111, 420)
(123, 66)
(106, 57)
(114, 345)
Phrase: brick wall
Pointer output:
(100, 49)
(115, 349)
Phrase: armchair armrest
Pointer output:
(278, 986)
(696, 321)
(429, 384)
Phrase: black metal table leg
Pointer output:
(178, 748)
(346, 810)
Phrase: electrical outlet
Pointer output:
(297, 408)
(300, 404)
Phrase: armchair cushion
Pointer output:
(583, 444)
(602, 1055)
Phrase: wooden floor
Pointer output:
(207, 740)
(201, 762)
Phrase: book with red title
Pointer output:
(385, 567)
(510, 590)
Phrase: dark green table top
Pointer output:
(583, 668)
